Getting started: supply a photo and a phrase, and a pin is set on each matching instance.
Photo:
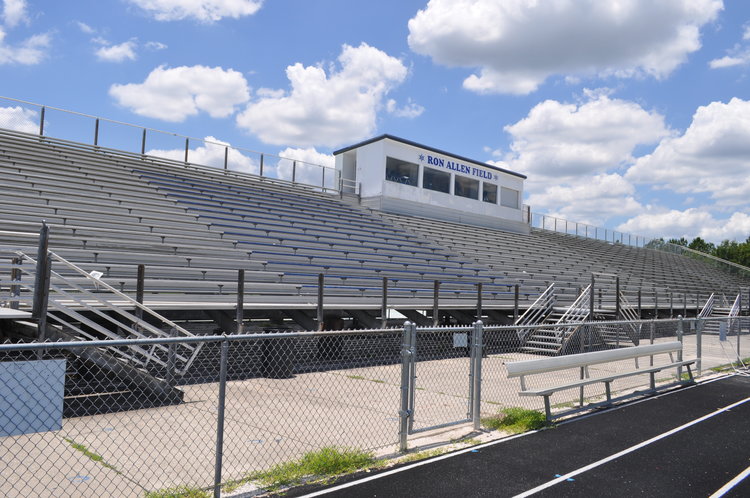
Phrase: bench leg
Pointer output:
(609, 392)
(547, 410)
(653, 380)
(690, 373)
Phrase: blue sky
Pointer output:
(633, 115)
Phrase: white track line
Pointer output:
(724, 489)
(638, 446)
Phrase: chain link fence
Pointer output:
(77, 420)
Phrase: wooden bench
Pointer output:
(583, 361)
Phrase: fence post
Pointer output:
(143, 142)
(294, 171)
(96, 132)
(260, 171)
(226, 157)
(321, 281)
(220, 417)
(477, 381)
(384, 305)
(699, 345)
(240, 300)
(187, 148)
(680, 330)
(404, 414)
(436, 303)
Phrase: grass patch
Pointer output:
(326, 462)
(729, 366)
(359, 377)
(90, 454)
(516, 420)
(179, 492)
(421, 455)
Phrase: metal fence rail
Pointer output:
(70, 426)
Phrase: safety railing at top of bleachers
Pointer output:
(108, 134)
(585, 230)
(729, 266)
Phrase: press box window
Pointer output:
(400, 171)
(489, 193)
(466, 187)
(436, 180)
(509, 197)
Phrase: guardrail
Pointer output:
(106, 133)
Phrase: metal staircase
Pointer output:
(563, 325)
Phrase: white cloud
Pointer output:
(30, 51)
(410, 110)
(154, 45)
(14, 12)
(200, 10)
(690, 223)
(730, 61)
(563, 141)
(19, 119)
(713, 155)
(85, 28)
(518, 44)
(746, 33)
(173, 94)
(211, 153)
(117, 53)
(592, 201)
(307, 164)
(326, 109)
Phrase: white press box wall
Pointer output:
(365, 164)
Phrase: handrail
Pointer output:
(708, 308)
(537, 312)
(188, 139)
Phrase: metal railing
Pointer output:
(111, 135)
(254, 401)
(586, 231)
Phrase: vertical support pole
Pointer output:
(40, 292)
(41, 122)
(294, 171)
(640, 303)
(42, 326)
(515, 302)
(651, 333)
(479, 301)
(139, 290)
(412, 372)
(404, 414)
(171, 359)
(321, 282)
(384, 305)
(697, 303)
(143, 142)
(240, 300)
(220, 418)
(436, 303)
(591, 298)
(617, 299)
(15, 276)
(684, 305)
(656, 305)
(477, 344)
(260, 173)
(671, 305)
(96, 132)
(187, 148)
(226, 158)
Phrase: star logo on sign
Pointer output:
(421, 158)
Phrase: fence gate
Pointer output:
(440, 367)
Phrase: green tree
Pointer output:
(698, 244)
(682, 241)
